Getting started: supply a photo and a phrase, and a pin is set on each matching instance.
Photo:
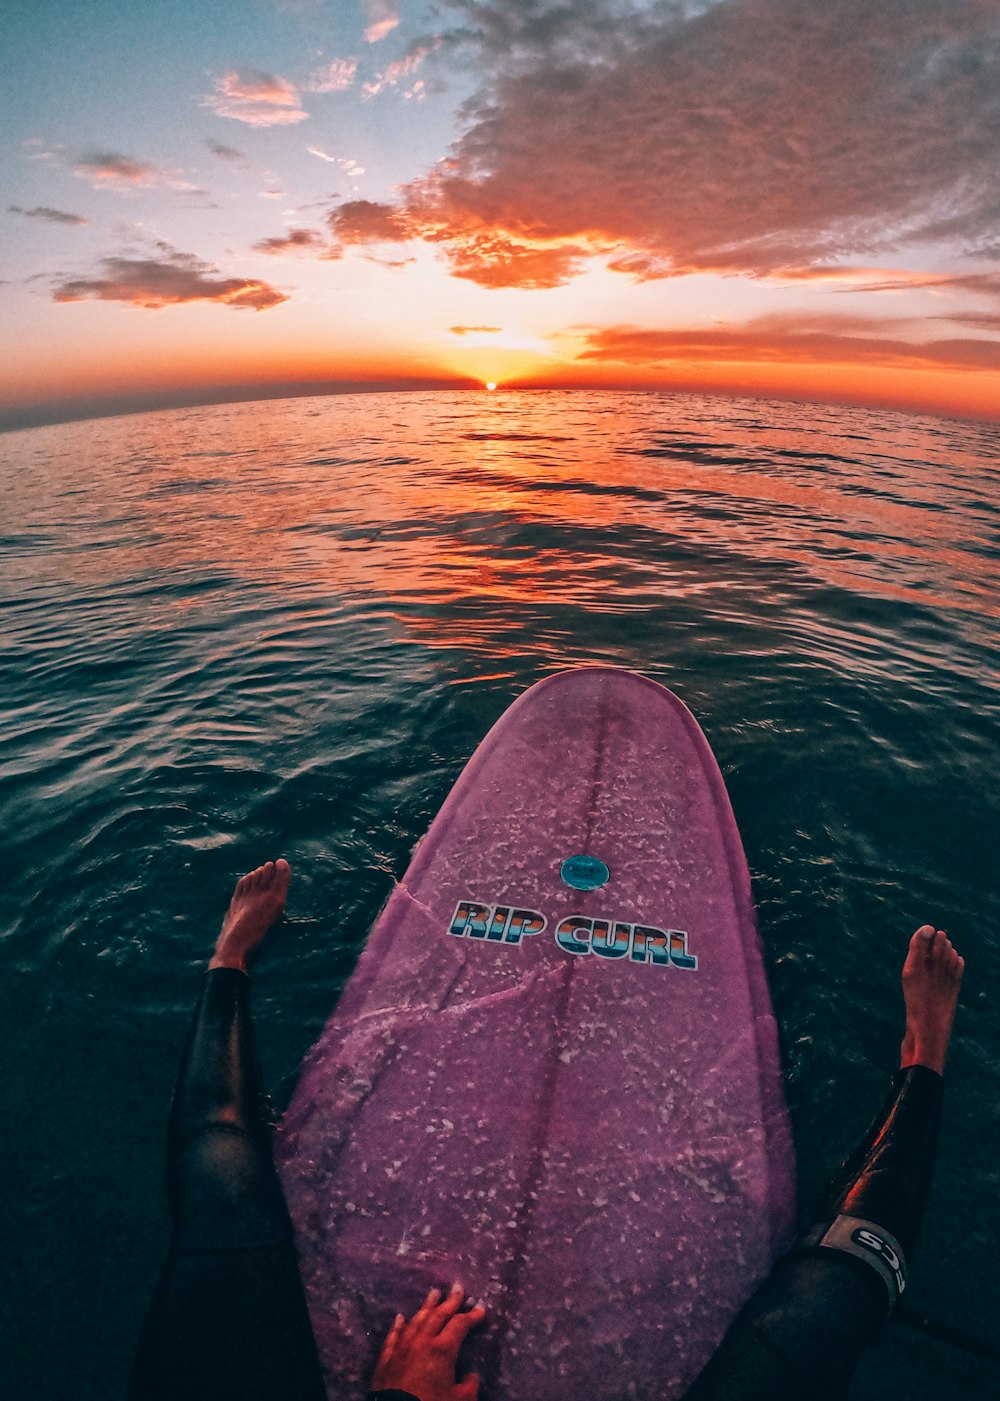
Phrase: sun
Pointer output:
(491, 385)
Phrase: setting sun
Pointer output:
(490, 385)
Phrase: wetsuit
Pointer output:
(228, 1321)
(801, 1334)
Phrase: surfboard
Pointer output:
(554, 1075)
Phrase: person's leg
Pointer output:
(228, 1319)
(801, 1333)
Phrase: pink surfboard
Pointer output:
(554, 1075)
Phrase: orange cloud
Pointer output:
(493, 259)
(481, 254)
(472, 330)
(365, 221)
(166, 281)
(681, 139)
(786, 339)
(259, 99)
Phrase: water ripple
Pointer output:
(290, 637)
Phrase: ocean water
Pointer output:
(238, 632)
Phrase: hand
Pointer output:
(420, 1356)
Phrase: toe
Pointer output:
(920, 937)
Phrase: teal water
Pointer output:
(237, 632)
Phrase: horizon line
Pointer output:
(86, 408)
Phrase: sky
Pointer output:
(790, 198)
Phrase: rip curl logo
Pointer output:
(874, 1243)
(576, 934)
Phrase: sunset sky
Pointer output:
(793, 198)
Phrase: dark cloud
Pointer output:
(51, 216)
(168, 280)
(394, 263)
(745, 136)
(981, 320)
(981, 283)
(109, 170)
(789, 338)
(224, 152)
(297, 241)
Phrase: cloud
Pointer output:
(980, 283)
(981, 320)
(493, 260)
(478, 253)
(640, 267)
(108, 170)
(297, 241)
(259, 99)
(382, 17)
(350, 167)
(335, 76)
(168, 280)
(225, 153)
(52, 216)
(740, 137)
(394, 73)
(394, 263)
(475, 330)
(788, 338)
(365, 221)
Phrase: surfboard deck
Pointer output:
(568, 1099)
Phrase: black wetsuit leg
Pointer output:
(228, 1321)
(800, 1336)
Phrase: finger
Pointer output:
(458, 1329)
(421, 1320)
(392, 1337)
(468, 1388)
(389, 1348)
(450, 1306)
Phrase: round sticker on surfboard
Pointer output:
(584, 872)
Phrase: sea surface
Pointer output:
(238, 632)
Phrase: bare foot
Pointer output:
(932, 975)
(420, 1356)
(258, 900)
